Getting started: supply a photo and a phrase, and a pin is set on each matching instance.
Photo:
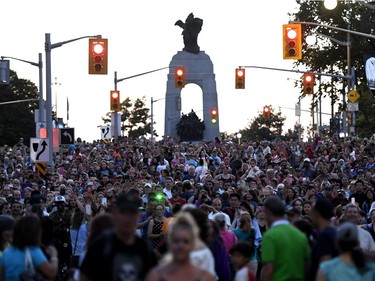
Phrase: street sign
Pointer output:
(39, 150)
(67, 136)
(353, 95)
(105, 132)
(353, 106)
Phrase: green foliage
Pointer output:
(329, 57)
(134, 118)
(260, 128)
(17, 119)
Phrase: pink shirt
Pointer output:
(229, 239)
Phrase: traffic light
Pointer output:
(292, 41)
(98, 56)
(180, 77)
(308, 83)
(266, 112)
(214, 116)
(115, 101)
(240, 78)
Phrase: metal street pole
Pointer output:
(42, 117)
(48, 49)
(152, 121)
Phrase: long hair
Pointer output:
(27, 232)
(77, 218)
(355, 253)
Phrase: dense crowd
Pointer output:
(220, 210)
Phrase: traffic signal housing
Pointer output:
(266, 112)
(292, 41)
(240, 78)
(115, 101)
(180, 77)
(308, 83)
(214, 116)
(98, 56)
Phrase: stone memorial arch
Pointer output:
(198, 70)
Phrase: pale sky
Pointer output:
(142, 37)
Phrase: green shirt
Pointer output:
(287, 249)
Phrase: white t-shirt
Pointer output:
(204, 259)
(242, 274)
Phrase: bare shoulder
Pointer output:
(154, 273)
(206, 276)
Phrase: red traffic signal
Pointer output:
(292, 41)
(98, 56)
(266, 112)
(180, 77)
(308, 83)
(240, 78)
(115, 101)
(214, 116)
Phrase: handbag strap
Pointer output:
(29, 261)
(75, 243)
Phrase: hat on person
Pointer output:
(148, 185)
(333, 160)
(280, 186)
(372, 208)
(306, 160)
(129, 201)
(60, 198)
(70, 181)
(347, 232)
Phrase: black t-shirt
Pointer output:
(325, 245)
(109, 259)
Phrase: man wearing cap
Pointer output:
(61, 219)
(307, 170)
(119, 255)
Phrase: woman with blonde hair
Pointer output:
(177, 265)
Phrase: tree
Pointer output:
(328, 57)
(134, 118)
(17, 120)
(260, 128)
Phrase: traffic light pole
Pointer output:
(39, 64)
(152, 101)
(48, 48)
(351, 76)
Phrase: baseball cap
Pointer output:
(60, 198)
(148, 185)
(347, 232)
(219, 217)
(306, 160)
(129, 201)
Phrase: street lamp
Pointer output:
(48, 48)
(239, 136)
(39, 64)
(330, 4)
(152, 118)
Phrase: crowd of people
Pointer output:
(219, 210)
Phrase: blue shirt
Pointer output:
(336, 269)
(13, 261)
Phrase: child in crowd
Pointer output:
(241, 254)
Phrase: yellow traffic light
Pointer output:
(240, 78)
(180, 77)
(292, 41)
(308, 83)
(98, 56)
(266, 112)
(115, 101)
(214, 116)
